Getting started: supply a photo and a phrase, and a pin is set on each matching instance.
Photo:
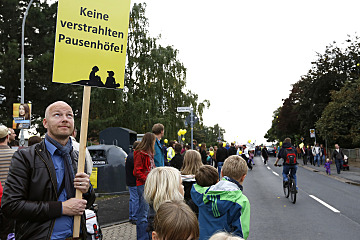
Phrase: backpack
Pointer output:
(290, 156)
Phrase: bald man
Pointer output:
(40, 189)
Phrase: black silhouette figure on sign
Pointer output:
(95, 80)
(110, 81)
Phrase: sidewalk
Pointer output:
(122, 231)
(350, 177)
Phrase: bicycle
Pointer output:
(289, 188)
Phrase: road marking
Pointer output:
(325, 204)
(268, 168)
(275, 173)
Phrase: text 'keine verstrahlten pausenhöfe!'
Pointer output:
(83, 27)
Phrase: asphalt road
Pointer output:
(274, 217)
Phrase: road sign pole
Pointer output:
(192, 127)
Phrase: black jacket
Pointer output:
(129, 169)
(221, 154)
(203, 157)
(337, 155)
(177, 161)
(30, 193)
(232, 151)
(282, 153)
(265, 153)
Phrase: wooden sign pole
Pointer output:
(82, 150)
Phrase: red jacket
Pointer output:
(142, 167)
(1, 193)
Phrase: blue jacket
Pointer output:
(222, 207)
(159, 156)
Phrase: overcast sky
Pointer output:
(243, 56)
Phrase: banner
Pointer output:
(90, 42)
(21, 115)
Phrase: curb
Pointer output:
(344, 180)
(113, 224)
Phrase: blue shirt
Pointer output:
(159, 156)
(63, 225)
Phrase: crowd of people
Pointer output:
(177, 188)
(317, 156)
(175, 192)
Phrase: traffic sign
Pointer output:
(188, 119)
(183, 109)
(312, 133)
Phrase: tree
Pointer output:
(39, 45)
(155, 79)
(312, 93)
(339, 122)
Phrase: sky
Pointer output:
(244, 56)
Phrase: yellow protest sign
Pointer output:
(90, 42)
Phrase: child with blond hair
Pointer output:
(223, 206)
(224, 236)
(175, 220)
(162, 184)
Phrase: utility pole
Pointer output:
(22, 140)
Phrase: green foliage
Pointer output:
(340, 119)
(155, 79)
(39, 45)
(311, 95)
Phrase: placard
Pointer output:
(90, 42)
(21, 115)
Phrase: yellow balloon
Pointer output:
(224, 144)
(280, 144)
(166, 141)
(211, 153)
(240, 152)
(184, 131)
(249, 141)
(179, 133)
(199, 145)
(183, 139)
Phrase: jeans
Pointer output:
(133, 203)
(317, 159)
(322, 159)
(338, 163)
(141, 215)
(292, 169)
(220, 164)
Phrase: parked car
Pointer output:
(271, 150)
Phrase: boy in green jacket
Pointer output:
(223, 206)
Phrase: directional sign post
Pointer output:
(189, 109)
(184, 109)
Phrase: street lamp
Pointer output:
(22, 142)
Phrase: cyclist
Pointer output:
(288, 154)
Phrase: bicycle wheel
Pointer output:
(286, 190)
(292, 187)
